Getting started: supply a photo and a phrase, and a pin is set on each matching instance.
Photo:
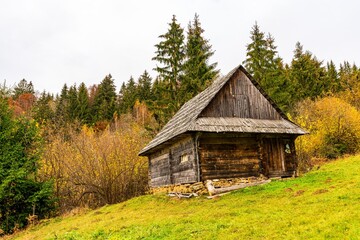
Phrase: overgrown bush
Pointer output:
(333, 125)
(95, 168)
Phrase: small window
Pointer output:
(184, 158)
(287, 148)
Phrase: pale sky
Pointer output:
(52, 42)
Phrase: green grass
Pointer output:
(323, 204)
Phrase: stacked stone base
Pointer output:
(200, 187)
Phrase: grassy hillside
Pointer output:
(323, 204)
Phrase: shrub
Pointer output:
(333, 125)
(94, 168)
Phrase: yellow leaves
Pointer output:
(104, 164)
(333, 125)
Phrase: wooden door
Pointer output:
(273, 157)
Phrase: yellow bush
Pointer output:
(333, 125)
(96, 168)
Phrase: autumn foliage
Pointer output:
(95, 168)
(333, 126)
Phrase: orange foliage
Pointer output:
(97, 168)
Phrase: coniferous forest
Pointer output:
(79, 148)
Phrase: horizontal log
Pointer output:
(229, 161)
(182, 167)
(223, 146)
(189, 172)
(231, 154)
(159, 158)
(234, 167)
(217, 191)
(242, 169)
(160, 181)
(217, 176)
(227, 140)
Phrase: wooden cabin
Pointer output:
(231, 129)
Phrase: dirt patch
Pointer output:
(328, 180)
(299, 193)
(289, 190)
(320, 191)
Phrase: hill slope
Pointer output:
(323, 204)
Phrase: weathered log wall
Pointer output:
(240, 98)
(174, 164)
(228, 157)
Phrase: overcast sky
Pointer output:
(52, 42)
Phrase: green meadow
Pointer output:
(322, 204)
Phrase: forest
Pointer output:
(79, 148)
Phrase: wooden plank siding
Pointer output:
(240, 98)
(166, 167)
(230, 157)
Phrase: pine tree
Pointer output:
(104, 106)
(83, 112)
(306, 75)
(170, 55)
(23, 87)
(73, 104)
(158, 103)
(256, 61)
(267, 67)
(198, 72)
(43, 111)
(143, 88)
(128, 96)
(332, 78)
(62, 101)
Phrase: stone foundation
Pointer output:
(200, 187)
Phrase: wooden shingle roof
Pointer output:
(187, 118)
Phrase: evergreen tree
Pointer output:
(158, 103)
(128, 96)
(105, 100)
(198, 72)
(256, 61)
(43, 110)
(332, 78)
(144, 87)
(23, 87)
(83, 111)
(62, 101)
(73, 103)
(267, 67)
(170, 55)
(306, 75)
(21, 195)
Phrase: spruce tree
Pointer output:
(306, 75)
(23, 87)
(73, 104)
(128, 96)
(43, 111)
(105, 100)
(170, 56)
(332, 78)
(83, 112)
(198, 72)
(62, 101)
(267, 67)
(143, 88)
(256, 61)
